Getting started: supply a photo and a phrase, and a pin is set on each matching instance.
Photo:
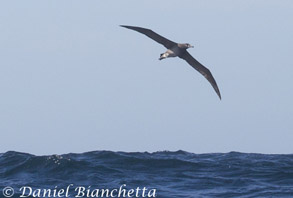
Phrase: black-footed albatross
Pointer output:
(180, 50)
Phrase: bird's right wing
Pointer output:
(151, 34)
(201, 69)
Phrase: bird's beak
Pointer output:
(191, 46)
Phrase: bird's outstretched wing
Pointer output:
(151, 34)
(201, 69)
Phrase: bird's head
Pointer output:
(185, 45)
(188, 46)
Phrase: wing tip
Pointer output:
(218, 92)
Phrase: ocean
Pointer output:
(160, 174)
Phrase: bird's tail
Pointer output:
(162, 56)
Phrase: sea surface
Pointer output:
(159, 174)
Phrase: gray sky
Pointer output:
(72, 80)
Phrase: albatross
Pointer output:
(180, 50)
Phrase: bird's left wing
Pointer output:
(201, 69)
(151, 34)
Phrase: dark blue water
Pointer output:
(159, 174)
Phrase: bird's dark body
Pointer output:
(180, 50)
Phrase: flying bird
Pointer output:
(180, 50)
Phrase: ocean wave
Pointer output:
(173, 174)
